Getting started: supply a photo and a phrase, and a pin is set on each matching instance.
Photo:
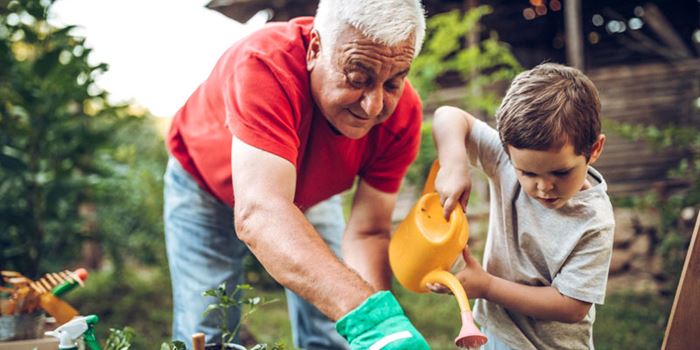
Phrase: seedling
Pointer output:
(235, 299)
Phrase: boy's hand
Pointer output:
(474, 279)
(379, 323)
(453, 183)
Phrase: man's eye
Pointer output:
(391, 86)
(357, 80)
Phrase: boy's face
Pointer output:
(553, 176)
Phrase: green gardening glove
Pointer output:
(379, 323)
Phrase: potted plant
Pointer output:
(246, 305)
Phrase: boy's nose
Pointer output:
(544, 186)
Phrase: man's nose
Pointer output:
(373, 102)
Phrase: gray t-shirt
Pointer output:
(567, 248)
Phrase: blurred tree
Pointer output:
(62, 145)
(454, 48)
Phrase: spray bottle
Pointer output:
(68, 333)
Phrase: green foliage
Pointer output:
(129, 203)
(418, 171)
(119, 339)
(173, 345)
(224, 301)
(480, 66)
(47, 136)
(64, 147)
(673, 232)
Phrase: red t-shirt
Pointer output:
(259, 91)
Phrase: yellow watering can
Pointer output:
(423, 249)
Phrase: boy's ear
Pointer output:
(597, 149)
(314, 51)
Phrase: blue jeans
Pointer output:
(204, 251)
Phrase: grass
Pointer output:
(141, 299)
(631, 321)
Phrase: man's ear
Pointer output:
(313, 53)
(597, 149)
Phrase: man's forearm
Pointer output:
(368, 255)
(295, 255)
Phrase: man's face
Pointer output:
(553, 176)
(360, 84)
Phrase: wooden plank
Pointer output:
(683, 329)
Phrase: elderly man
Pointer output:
(289, 117)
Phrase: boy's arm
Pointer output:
(451, 129)
(544, 303)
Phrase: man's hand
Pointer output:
(453, 183)
(474, 279)
(379, 323)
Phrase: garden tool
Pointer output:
(423, 248)
(46, 290)
(68, 333)
(198, 341)
(53, 285)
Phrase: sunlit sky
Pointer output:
(158, 51)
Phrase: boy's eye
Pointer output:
(527, 173)
(561, 173)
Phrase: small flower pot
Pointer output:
(24, 326)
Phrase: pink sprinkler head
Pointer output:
(469, 336)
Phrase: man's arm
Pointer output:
(279, 235)
(366, 239)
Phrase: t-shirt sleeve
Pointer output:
(584, 275)
(386, 170)
(258, 110)
(485, 149)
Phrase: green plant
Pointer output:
(173, 345)
(236, 299)
(119, 339)
(480, 65)
(64, 147)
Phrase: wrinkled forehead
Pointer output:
(352, 48)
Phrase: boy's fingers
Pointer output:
(466, 253)
(464, 200)
(448, 207)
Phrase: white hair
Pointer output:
(387, 22)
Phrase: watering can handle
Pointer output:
(429, 186)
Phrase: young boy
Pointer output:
(551, 223)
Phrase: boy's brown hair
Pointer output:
(547, 106)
